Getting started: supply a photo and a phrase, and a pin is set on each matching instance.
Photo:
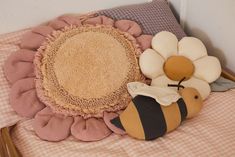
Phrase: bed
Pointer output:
(211, 133)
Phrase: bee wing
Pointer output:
(163, 95)
(133, 87)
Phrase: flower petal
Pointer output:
(163, 81)
(42, 30)
(71, 20)
(202, 86)
(144, 41)
(32, 41)
(23, 98)
(99, 20)
(129, 26)
(192, 48)
(58, 24)
(109, 116)
(50, 126)
(151, 64)
(19, 65)
(91, 129)
(165, 43)
(207, 68)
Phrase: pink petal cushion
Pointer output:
(19, 65)
(32, 41)
(99, 20)
(58, 24)
(23, 98)
(71, 20)
(50, 126)
(42, 30)
(109, 116)
(129, 26)
(91, 129)
(144, 41)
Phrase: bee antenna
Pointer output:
(181, 82)
(177, 85)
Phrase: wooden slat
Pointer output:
(228, 74)
(10, 147)
(3, 150)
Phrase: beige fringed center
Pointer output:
(84, 70)
(89, 64)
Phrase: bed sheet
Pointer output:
(211, 133)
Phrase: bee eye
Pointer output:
(196, 97)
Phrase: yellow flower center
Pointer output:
(178, 67)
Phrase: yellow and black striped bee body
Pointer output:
(145, 118)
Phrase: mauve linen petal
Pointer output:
(99, 20)
(50, 126)
(129, 26)
(109, 116)
(58, 24)
(23, 98)
(32, 41)
(91, 129)
(42, 30)
(144, 41)
(71, 20)
(19, 65)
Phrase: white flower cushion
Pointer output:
(154, 63)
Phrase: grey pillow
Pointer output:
(154, 17)
(222, 84)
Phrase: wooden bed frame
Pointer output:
(8, 149)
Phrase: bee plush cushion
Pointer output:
(179, 62)
(153, 17)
